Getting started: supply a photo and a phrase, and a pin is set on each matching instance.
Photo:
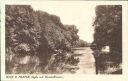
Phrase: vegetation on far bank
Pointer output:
(33, 37)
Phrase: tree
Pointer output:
(107, 32)
(108, 27)
(36, 33)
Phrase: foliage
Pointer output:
(108, 32)
(81, 43)
(62, 62)
(30, 33)
(108, 27)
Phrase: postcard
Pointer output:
(64, 40)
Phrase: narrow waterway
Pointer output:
(87, 61)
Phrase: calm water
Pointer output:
(87, 61)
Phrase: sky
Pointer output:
(79, 14)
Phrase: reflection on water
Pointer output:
(106, 64)
(87, 61)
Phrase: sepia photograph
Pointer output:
(63, 39)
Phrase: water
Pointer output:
(87, 61)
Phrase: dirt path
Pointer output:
(87, 61)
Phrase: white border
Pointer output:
(69, 77)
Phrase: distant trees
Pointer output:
(108, 28)
(81, 43)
